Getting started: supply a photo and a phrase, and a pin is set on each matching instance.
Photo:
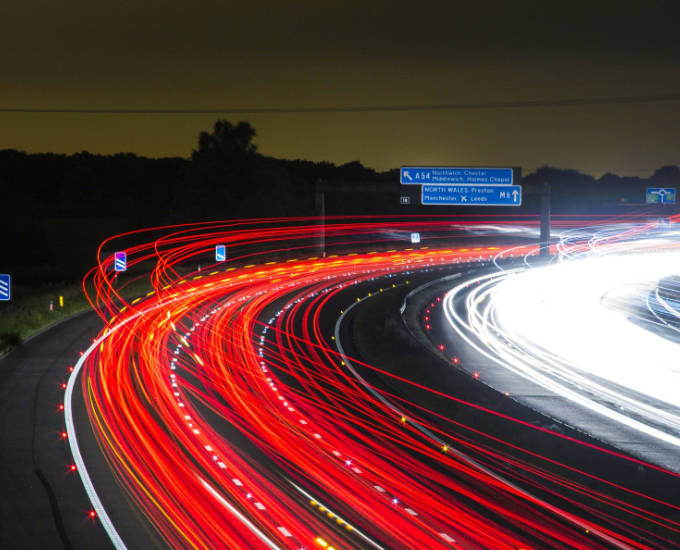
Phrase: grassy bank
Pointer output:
(29, 310)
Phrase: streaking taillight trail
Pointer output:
(230, 419)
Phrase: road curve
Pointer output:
(229, 419)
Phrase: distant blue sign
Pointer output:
(415, 238)
(442, 175)
(120, 261)
(660, 195)
(472, 195)
(5, 287)
(220, 253)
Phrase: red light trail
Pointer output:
(229, 417)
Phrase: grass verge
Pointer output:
(29, 310)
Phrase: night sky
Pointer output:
(221, 54)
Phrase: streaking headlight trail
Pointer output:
(580, 329)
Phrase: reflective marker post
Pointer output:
(220, 253)
(5, 287)
(120, 261)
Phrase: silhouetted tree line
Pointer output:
(577, 193)
(55, 209)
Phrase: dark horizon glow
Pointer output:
(486, 58)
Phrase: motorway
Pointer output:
(233, 407)
(588, 340)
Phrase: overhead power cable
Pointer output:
(573, 102)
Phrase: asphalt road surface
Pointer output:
(31, 451)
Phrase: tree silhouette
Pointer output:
(222, 173)
(227, 142)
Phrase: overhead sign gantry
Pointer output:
(463, 185)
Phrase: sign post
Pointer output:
(452, 175)
(471, 195)
(660, 195)
(485, 186)
(544, 237)
(462, 186)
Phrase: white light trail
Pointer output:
(570, 328)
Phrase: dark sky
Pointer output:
(78, 54)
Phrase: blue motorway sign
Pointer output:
(5, 287)
(660, 195)
(120, 261)
(451, 175)
(220, 253)
(472, 195)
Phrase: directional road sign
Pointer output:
(220, 253)
(454, 175)
(415, 238)
(660, 195)
(5, 287)
(472, 195)
(120, 261)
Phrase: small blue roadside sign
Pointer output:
(5, 287)
(660, 195)
(120, 261)
(220, 253)
(453, 175)
(472, 195)
(415, 238)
